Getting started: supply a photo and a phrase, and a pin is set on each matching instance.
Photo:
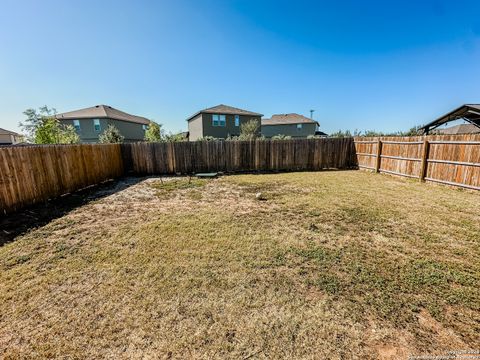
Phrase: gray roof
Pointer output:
(8, 132)
(459, 129)
(224, 109)
(285, 119)
(102, 111)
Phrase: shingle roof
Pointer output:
(281, 119)
(8, 132)
(225, 109)
(459, 129)
(102, 111)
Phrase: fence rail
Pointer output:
(447, 159)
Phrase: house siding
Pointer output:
(195, 128)
(289, 130)
(131, 131)
(9, 139)
(6, 139)
(222, 132)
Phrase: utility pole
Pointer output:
(311, 114)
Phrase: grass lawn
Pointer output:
(330, 265)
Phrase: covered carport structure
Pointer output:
(468, 112)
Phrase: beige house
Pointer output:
(220, 122)
(8, 137)
(91, 122)
(294, 125)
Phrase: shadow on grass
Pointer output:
(19, 222)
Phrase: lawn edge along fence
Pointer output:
(447, 159)
(31, 174)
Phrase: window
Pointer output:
(299, 127)
(218, 120)
(144, 127)
(96, 125)
(237, 120)
(76, 124)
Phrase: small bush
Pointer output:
(281, 137)
(111, 135)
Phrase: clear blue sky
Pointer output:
(380, 65)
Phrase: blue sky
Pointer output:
(379, 65)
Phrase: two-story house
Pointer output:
(220, 122)
(294, 125)
(91, 122)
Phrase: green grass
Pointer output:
(168, 188)
(332, 265)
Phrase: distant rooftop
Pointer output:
(225, 109)
(284, 119)
(459, 129)
(8, 132)
(102, 111)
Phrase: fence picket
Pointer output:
(447, 159)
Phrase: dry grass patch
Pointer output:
(332, 265)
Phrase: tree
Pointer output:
(281, 137)
(42, 127)
(154, 132)
(68, 135)
(249, 130)
(111, 135)
(207, 138)
(175, 137)
(50, 131)
(35, 119)
(414, 131)
(341, 134)
(373, 133)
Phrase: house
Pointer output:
(294, 125)
(8, 137)
(469, 113)
(220, 122)
(458, 129)
(321, 134)
(91, 122)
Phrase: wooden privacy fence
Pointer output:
(29, 174)
(236, 156)
(447, 159)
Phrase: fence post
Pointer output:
(424, 164)
(379, 156)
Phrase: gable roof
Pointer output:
(467, 112)
(8, 132)
(224, 109)
(285, 119)
(102, 111)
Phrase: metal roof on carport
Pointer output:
(467, 112)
